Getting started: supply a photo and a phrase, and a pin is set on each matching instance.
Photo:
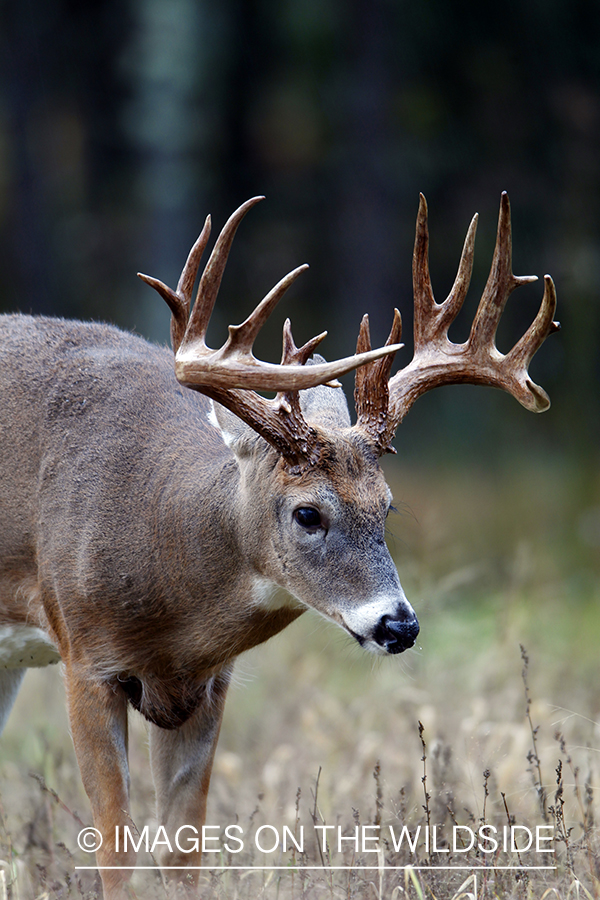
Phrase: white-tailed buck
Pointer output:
(150, 516)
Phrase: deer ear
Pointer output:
(238, 436)
(324, 404)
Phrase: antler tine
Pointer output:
(456, 297)
(210, 281)
(432, 320)
(292, 355)
(185, 285)
(543, 325)
(500, 284)
(241, 337)
(371, 391)
(287, 403)
(424, 301)
(179, 300)
(533, 396)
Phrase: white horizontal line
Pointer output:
(294, 867)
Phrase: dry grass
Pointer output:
(489, 564)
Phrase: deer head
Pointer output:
(331, 496)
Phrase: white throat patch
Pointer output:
(269, 596)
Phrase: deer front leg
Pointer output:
(10, 682)
(98, 719)
(181, 762)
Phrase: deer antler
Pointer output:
(231, 374)
(437, 360)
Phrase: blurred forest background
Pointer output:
(123, 123)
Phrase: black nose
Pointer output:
(396, 635)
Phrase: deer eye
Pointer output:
(308, 517)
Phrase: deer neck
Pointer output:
(207, 514)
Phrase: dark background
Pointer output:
(123, 123)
